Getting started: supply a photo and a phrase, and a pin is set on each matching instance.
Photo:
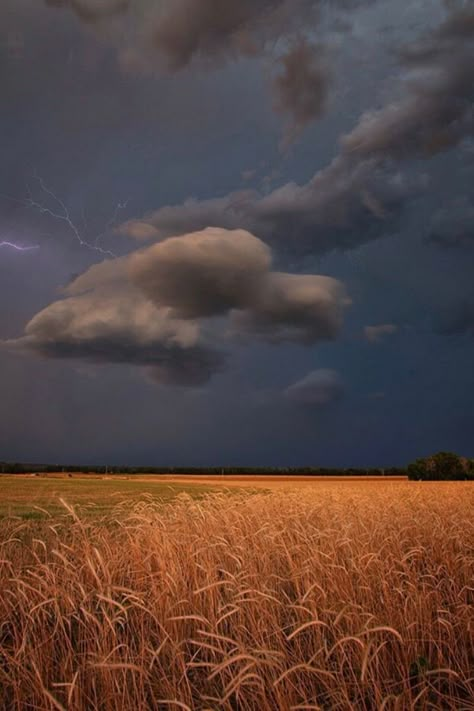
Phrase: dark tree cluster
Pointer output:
(443, 466)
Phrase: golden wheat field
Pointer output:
(354, 596)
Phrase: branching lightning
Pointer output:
(60, 212)
(63, 215)
(18, 247)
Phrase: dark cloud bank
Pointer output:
(349, 202)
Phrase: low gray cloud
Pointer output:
(319, 388)
(453, 226)
(155, 307)
(375, 334)
(301, 88)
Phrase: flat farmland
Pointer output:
(30, 496)
(297, 595)
(37, 497)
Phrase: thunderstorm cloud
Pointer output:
(162, 307)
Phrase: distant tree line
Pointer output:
(28, 468)
(443, 466)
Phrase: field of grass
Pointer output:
(338, 596)
(30, 497)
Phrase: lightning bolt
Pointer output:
(18, 247)
(62, 214)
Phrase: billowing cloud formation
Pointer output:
(203, 274)
(347, 203)
(301, 89)
(318, 389)
(374, 334)
(153, 308)
(453, 225)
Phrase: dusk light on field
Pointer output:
(236, 355)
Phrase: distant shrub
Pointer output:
(443, 466)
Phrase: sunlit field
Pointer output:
(340, 595)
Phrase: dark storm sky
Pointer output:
(251, 227)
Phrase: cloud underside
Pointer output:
(175, 306)
(363, 190)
